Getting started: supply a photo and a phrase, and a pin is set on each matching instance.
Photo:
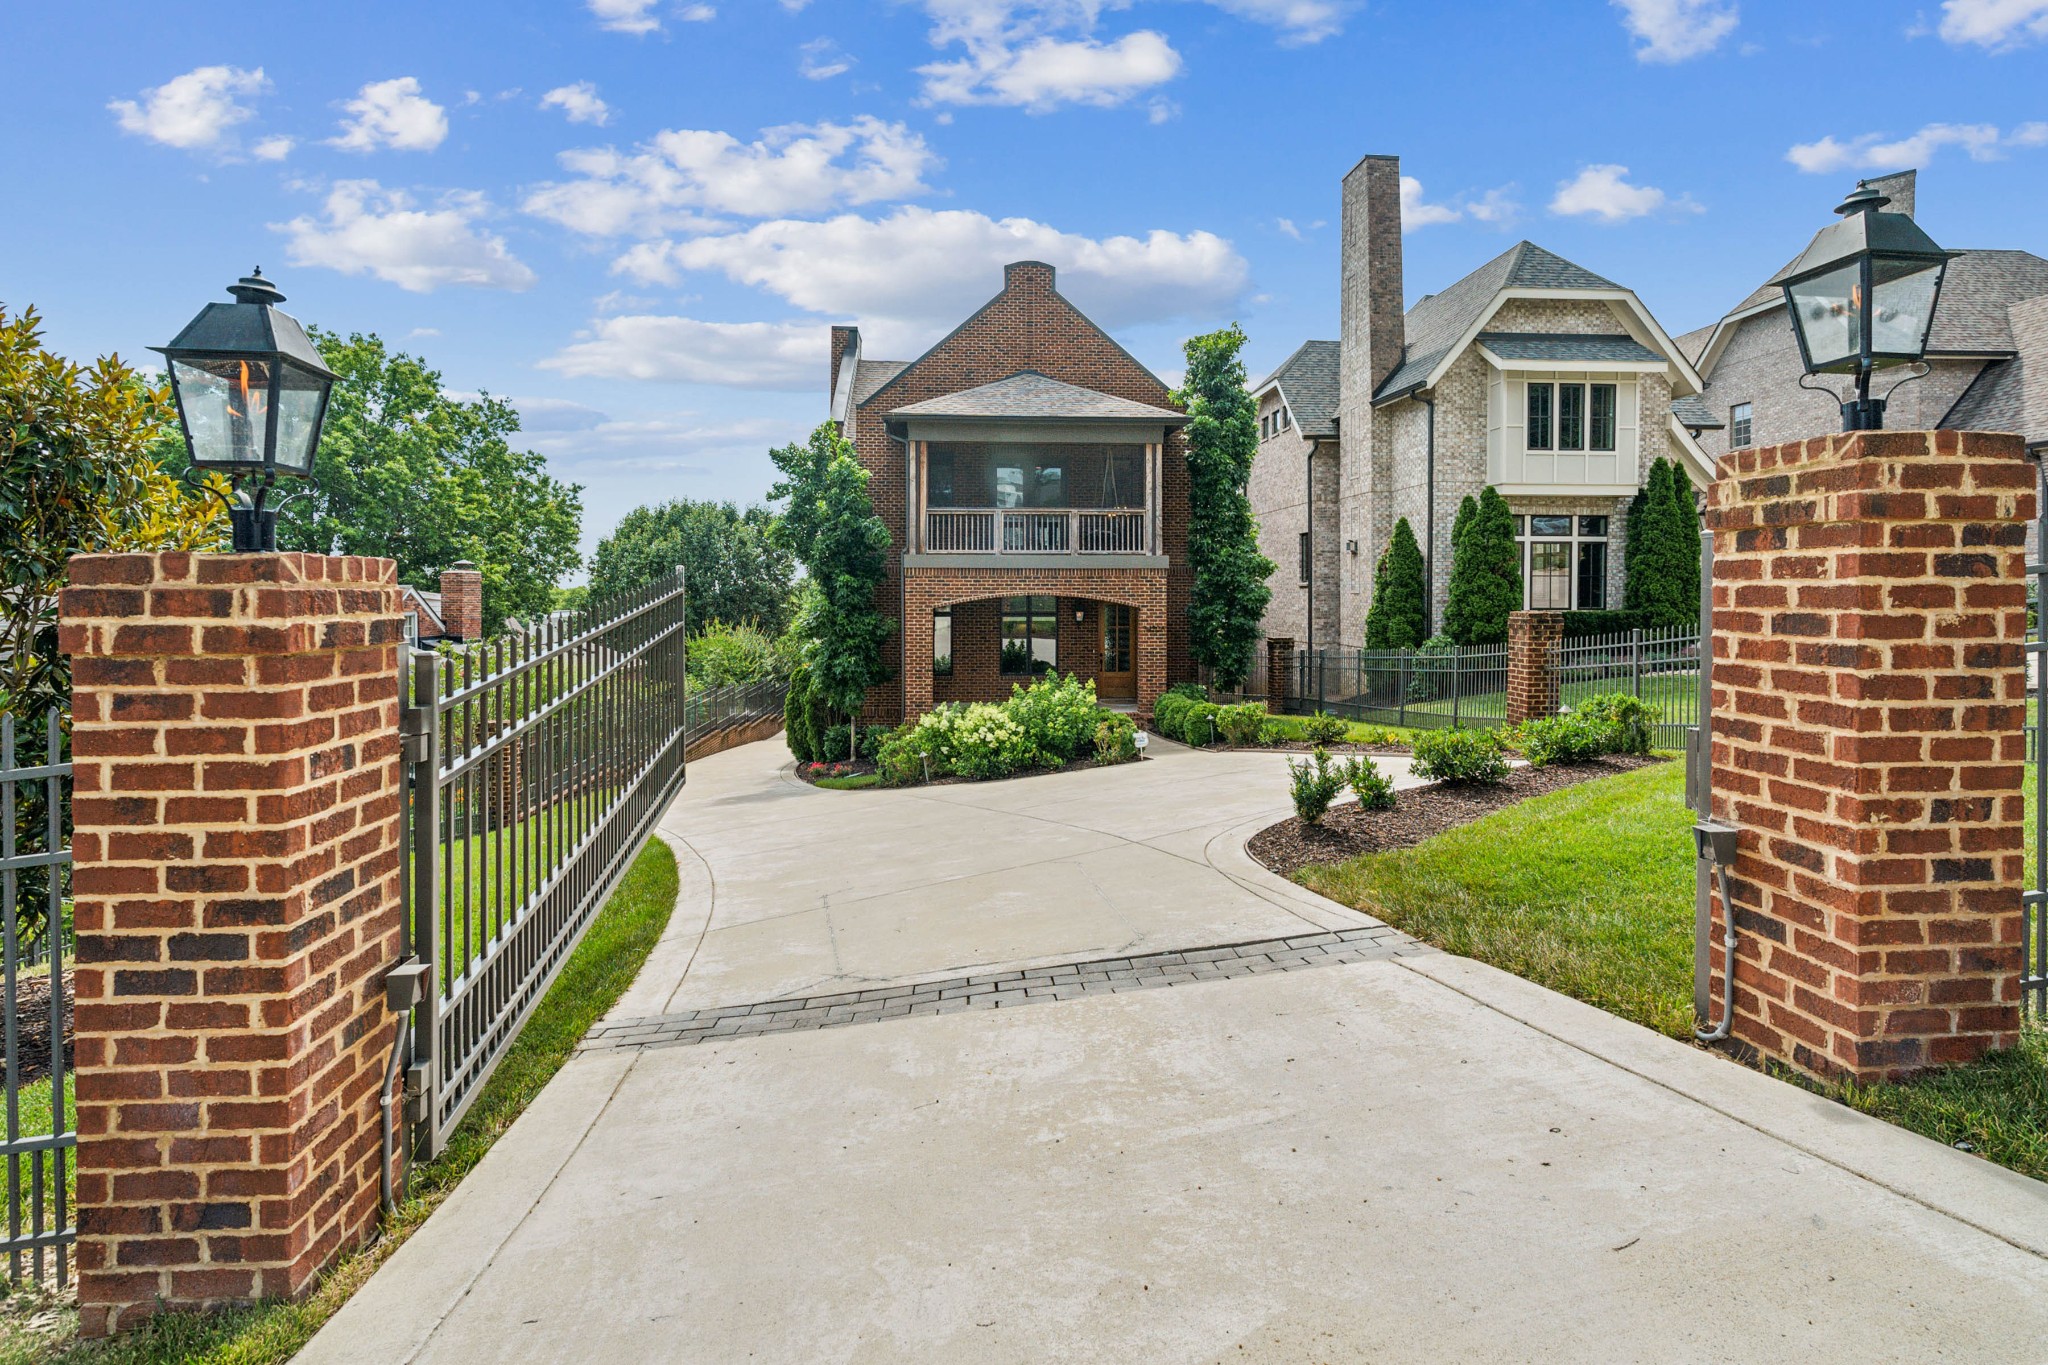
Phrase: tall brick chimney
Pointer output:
(1371, 273)
(462, 601)
(844, 340)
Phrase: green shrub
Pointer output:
(722, 655)
(832, 744)
(1198, 723)
(1323, 728)
(1627, 719)
(1399, 599)
(1579, 625)
(1242, 724)
(1373, 788)
(1459, 755)
(797, 716)
(1116, 738)
(920, 749)
(1314, 785)
(1169, 711)
(987, 743)
(1058, 714)
(1192, 691)
(1570, 738)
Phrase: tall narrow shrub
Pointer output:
(1662, 576)
(1395, 620)
(1486, 573)
(1229, 594)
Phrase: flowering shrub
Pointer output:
(1059, 714)
(990, 743)
(1116, 739)
(1051, 722)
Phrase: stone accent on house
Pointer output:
(462, 601)
(1532, 684)
(1869, 705)
(237, 809)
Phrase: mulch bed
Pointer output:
(32, 1024)
(1420, 814)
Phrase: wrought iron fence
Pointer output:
(538, 764)
(35, 861)
(709, 709)
(1660, 665)
(2034, 899)
(1465, 685)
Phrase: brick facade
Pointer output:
(1869, 699)
(1029, 326)
(1532, 685)
(462, 601)
(237, 809)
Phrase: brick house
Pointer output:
(1531, 373)
(1034, 481)
(1987, 356)
(454, 614)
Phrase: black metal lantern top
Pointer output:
(1862, 297)
(251, 388)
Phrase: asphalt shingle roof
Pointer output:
(1969, 317)
(1565, 346)
(1692, 411)
(1309, 379)
(870, 375)
(1994, 401)
(1434, 325)
(1031, 394)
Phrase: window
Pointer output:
(1740, 427)
(1571, 416)
(1564, 561)
(942, 643)
(1030, 635)
(1283, 417)
(1539, 416)
(1603, 417)
(1302, 551)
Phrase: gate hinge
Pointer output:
(416, 1093)
(412, 734)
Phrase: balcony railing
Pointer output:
(992, 530)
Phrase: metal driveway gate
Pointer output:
(536, 766)
(2034, 967)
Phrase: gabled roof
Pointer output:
(1029, 394)
(1437, 323)
(1568, 346)
(870, 375)
(1308, 382)
(1693, 412)
(1995, 401)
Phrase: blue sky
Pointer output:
(637, 218)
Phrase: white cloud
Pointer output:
(1674, 30)
(1996, 24)
(625, 16)
(422, 333)
(1299, 21)
(273, 148)
(392, 114)
(1287, 228)
(697, 14)
(662, 442)
(194, 110)
(369, 230)
(788, 356)
(1603, 192)
(1875, 152)
(1048, 72)
(823, 59)
(671, 181)
(919, 269)
(1494, 206)
(579, 102)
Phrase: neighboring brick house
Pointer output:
(455, 614)
(1987, 356)
(1034, 481)
(1532, 374)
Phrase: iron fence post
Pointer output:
(1635, 659)
(1457, 682)
(1401, 682)
(423, 783)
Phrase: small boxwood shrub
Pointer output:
(1168, 712)
(1459, 755)
(1198, 723)
(1242, 724)
(1323, 728)
(1116, 739)
(1373, 788)
(1314, 784)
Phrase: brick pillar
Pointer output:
(917, 650)
(1279, 671)
(237, 881)
(1148, 624)
(462, 601)
(1532, 692)
(1869, 701)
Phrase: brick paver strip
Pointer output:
(1007, 989)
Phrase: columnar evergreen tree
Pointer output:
(1396, 618)
(1486, 572)
(1662, 573)
(832, 527)
(1688, 518)
(1230, 592)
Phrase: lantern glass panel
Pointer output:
(1828, 311)
(227, 409)
(1902, 293)
(300, 398)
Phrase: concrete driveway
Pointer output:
(1345, 1149)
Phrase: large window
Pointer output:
(1584, 417)
(1031, 635)
(1740, 427)
(1016, 476)
(1564, 562)
(942, 643)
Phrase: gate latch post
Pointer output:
(405, 985)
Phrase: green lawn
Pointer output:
(1589, 891)
(38, 1331)
(853, 782)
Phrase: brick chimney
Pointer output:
(1371, 275)
(1899, 188)
(462, 601)
(845, 341)
(1033, 277)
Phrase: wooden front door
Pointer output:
(1117, 681)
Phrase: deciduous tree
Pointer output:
(736, 569)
